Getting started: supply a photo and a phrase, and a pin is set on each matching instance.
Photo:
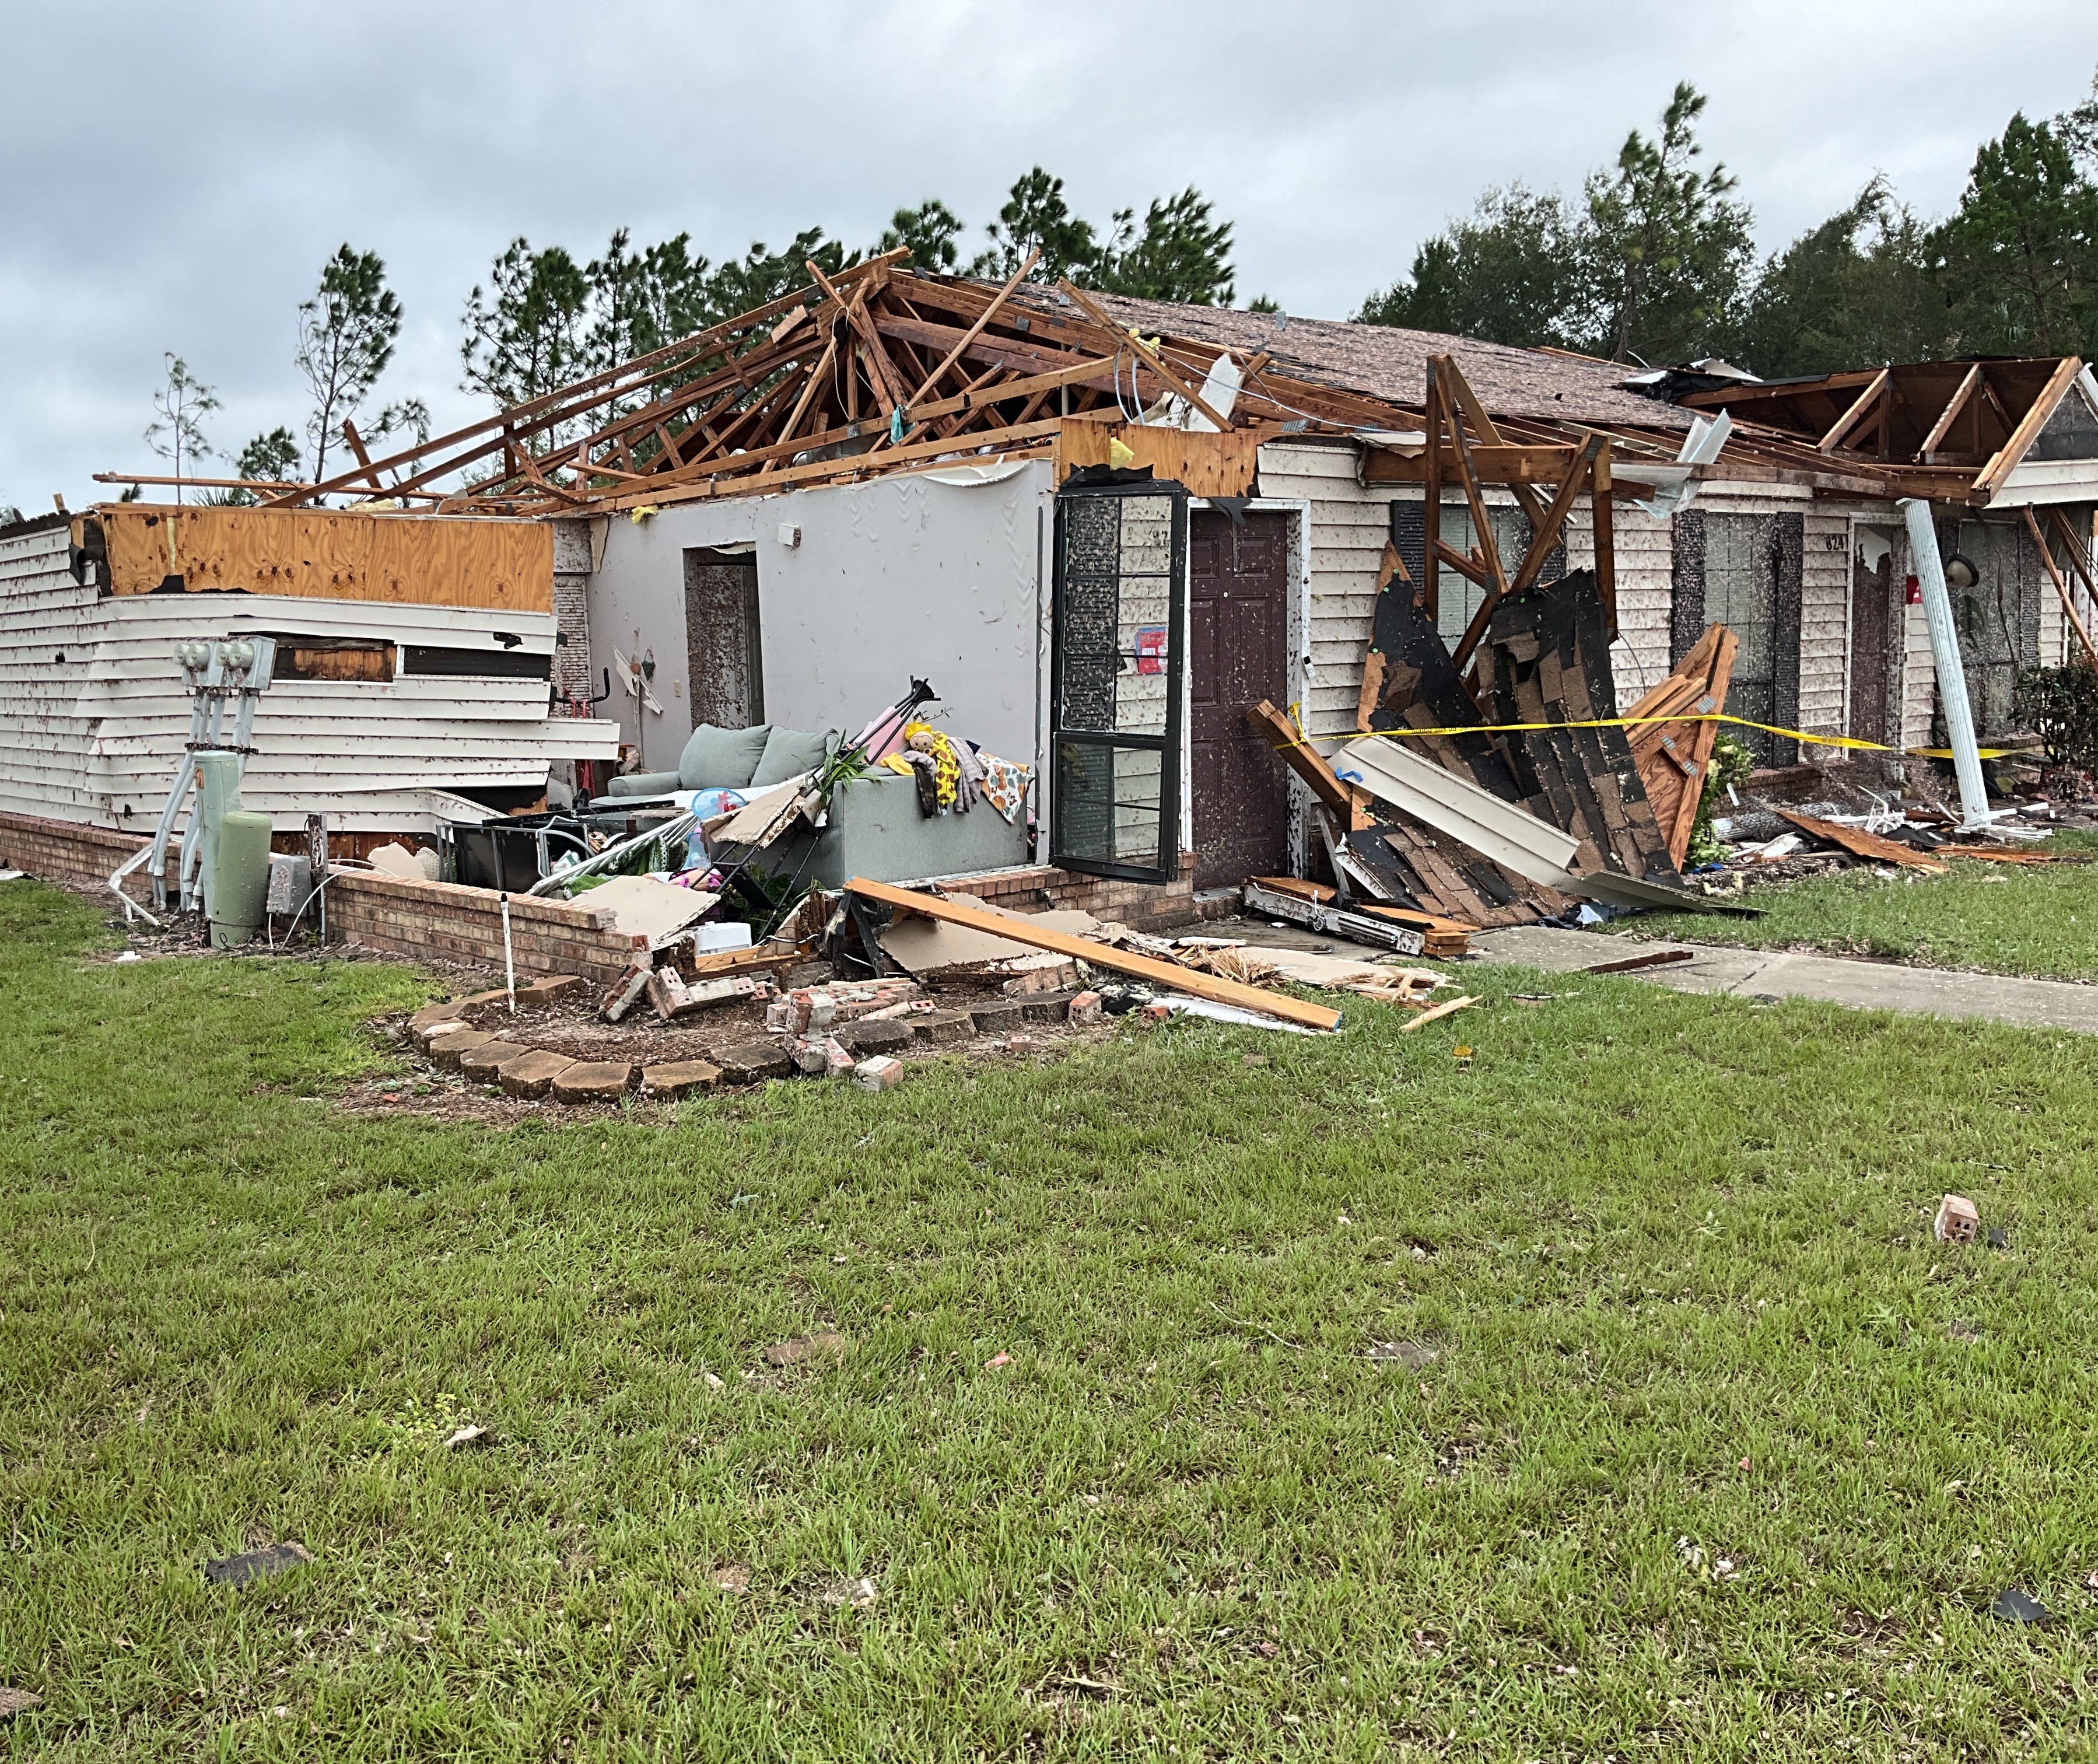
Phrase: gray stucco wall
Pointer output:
(902, 575)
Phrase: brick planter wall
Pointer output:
(1039, 889)
(442, 921)
(82, 857)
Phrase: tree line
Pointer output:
(1654, 262)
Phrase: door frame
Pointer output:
(1299, 669)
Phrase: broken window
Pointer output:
(1458, 598)
(1116, 669)
(507, 663)
(1996, 611)
(332, 658)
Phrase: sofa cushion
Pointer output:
(642, 784)
(722, 759)
(789, 752)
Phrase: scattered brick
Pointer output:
(593, 1081)
(553, 986)
(1086, 1008)
(446, 1050)
(877, 1037)
(1959, 1220)
(879, 1073)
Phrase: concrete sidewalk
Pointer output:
(1757, 973)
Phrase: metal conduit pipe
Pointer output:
(1945, 655)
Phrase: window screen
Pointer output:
(1120, 592)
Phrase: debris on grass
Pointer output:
(264, 1564)
(1413, 1355)
(858, 1594)
(797, 1349)
(14, 1702)
(2014, 1605)
(1434, 1012)
(470, 1434)
(1958, 1220)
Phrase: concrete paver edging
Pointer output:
(1866, 985)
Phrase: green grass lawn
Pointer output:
(1719, 1457)
(2041, 920)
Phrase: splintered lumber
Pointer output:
(1996, 854)
(1546, 661)
(1297, 754)
(1659, 959)
(1448, 1007)
(1201, 986)
(1673, 757)
(1861, 844)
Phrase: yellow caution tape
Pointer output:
(1641, 722)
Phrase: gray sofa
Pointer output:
(874, 828)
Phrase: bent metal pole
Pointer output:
(1945, 654)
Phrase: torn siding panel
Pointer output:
(95, 739)
(1642, 550)
(44, 615)
(1349, 525)
(1824, 629)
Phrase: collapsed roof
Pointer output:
(881, 368)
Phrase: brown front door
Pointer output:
(1238, 655)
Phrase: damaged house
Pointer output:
(1101, 534)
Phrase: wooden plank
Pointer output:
(2029, 425)
(1528, 462)
(1602, 531)
(1431, 508)
(332, 554)
(1455, 384)
(1861, 844)
(1435, 1013)
(1208, 464)
(1187, 980)
(733, 483)
(1298, 754)
(2060, 587)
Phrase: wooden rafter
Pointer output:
(2060, 587)
(1950, 415)
(1860, 407)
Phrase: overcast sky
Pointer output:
(174, 175)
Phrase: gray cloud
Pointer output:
(175, 175)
